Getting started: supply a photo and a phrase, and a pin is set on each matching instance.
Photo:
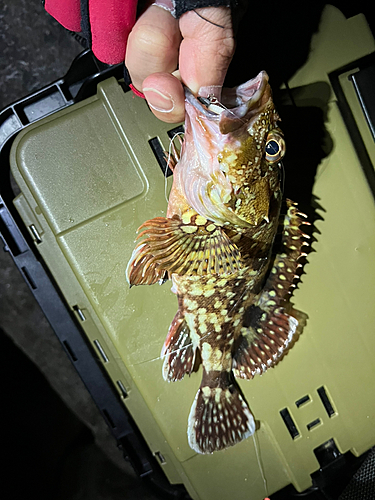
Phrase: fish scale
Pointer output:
(216, 245)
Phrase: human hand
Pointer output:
(158, 43)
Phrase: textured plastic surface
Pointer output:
(89, 178)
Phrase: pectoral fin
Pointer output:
(142, 268)
(190, 245)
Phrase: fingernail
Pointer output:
(158, 101)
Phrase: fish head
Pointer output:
(237, 130)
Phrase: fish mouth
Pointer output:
(231, 108)
(201, 104)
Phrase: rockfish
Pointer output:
(216, 246)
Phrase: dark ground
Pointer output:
(53, 439)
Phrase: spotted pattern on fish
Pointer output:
(216, 245)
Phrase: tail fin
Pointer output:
(218, 418)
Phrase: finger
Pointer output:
(206, 49)
(152, 45)
(165, 96)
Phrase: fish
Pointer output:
(216, 245)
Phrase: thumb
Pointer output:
(207, 47)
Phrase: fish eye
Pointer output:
(275, 148)
(272, 148)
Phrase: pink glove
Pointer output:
(108, 23)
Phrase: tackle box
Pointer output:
(87, 157)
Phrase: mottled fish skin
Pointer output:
(216, 245)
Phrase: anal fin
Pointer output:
(178, 351)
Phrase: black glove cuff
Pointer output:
(182, 6)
